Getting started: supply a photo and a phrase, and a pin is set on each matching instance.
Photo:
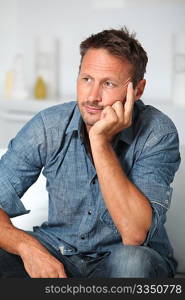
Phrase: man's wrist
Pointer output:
(98, 140)
(100, 146)
(27, 242)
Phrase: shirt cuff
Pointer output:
(10, 201)
(160, 200)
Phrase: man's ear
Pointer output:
(139, 89)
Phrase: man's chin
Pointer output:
(90, 120)
(89, 123)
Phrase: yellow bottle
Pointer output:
(40, 89)
(8, 84)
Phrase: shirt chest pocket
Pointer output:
(67, 194)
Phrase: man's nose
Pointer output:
(95, 93)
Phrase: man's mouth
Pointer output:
(93, 109)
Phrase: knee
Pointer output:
(132, 261)
(138, 262)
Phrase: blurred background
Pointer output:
(39, 53)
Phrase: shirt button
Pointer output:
(89, 212)
(82, 237)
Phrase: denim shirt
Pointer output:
(78, 220)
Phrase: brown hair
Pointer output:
(122, 44)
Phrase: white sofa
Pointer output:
(36, 199)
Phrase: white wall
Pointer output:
(8, 35)
(71, 21)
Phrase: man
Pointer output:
(109, 161)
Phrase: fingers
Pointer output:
(51, 270)
(115, 118)
(119, 110)
(130, 99)
(124, 111)
(49, 275)
(110, 113)
(62, 274)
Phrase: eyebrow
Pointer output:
(109, 78)
(85, 74)
(103, 79)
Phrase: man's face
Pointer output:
(102, 80)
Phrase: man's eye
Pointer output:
(86, 79)
(109, 84)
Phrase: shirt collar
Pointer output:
(75, 121)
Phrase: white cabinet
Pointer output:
(15, 113)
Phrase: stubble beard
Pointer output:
(89, 118)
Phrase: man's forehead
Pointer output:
(101, 60)
(101, 55)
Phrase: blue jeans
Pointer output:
(118, 262)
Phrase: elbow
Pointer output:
(135, 234)
(134, 239)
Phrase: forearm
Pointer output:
(129, 208)
(38, 262)
(13, 239)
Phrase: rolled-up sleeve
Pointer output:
(21, 165)
(153, 173)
